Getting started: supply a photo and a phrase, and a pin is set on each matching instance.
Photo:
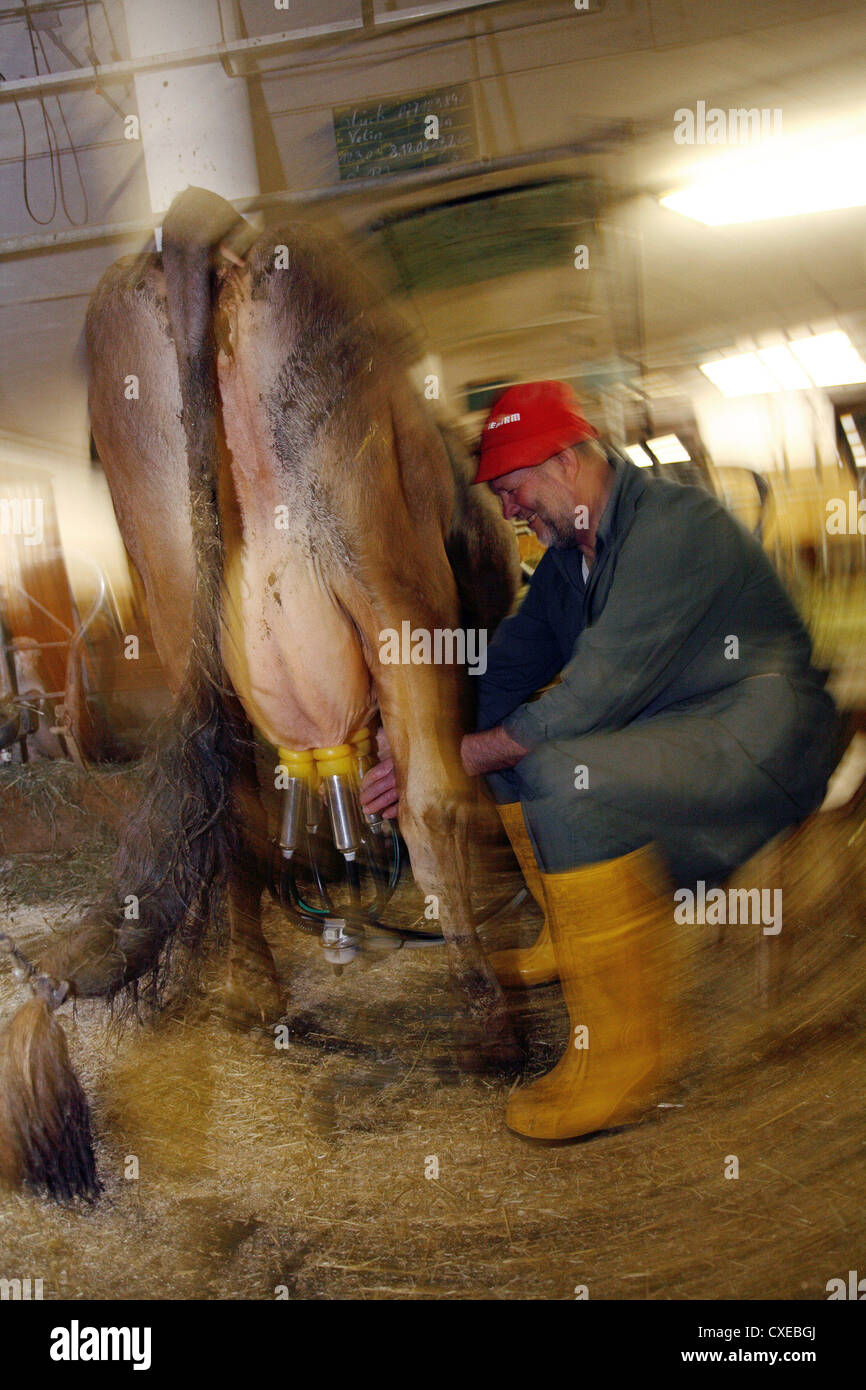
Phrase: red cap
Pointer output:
(528, 424)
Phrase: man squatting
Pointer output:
(664, 750)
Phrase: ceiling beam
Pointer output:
(603, 141)
(260, 46)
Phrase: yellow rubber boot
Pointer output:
(612, 930)
(525, 967)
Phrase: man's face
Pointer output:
(545, 498)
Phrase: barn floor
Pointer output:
(300, 1172)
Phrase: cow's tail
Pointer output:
(175, 853)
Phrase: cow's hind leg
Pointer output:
(251, 992)
(436, 816)
(438, 803)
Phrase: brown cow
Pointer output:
(263, 388)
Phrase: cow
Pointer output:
(269, 381)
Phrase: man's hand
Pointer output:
(379, 785)
(491, 751)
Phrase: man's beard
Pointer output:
(561, 533)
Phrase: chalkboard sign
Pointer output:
(414, 131)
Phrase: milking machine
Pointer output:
(324, 784)
(320, 790)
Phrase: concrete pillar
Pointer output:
(196, 126)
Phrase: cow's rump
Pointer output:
(324, 539)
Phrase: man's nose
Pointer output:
(509, 508)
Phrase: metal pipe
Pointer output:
(41, 7)
(448, 9)
(53, 82)
(395, 184)
(260, 46)
(422, 11)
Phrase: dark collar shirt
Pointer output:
(680, 604)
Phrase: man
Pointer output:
(687, 724)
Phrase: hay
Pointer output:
(43, 793)
(52, 782)
(262, 1170)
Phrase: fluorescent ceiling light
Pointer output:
(668, 449)
(788, 373)
(638, 456)
(827, 359)
(852, 434)
(831, 359)
(743, 375)
(782, 178)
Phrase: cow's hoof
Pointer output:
(487, 1046)
(244, 1004)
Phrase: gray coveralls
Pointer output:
(688, 712)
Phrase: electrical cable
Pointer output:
(58, 151)
(49, 132)
(53, 144)
(40, 221)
